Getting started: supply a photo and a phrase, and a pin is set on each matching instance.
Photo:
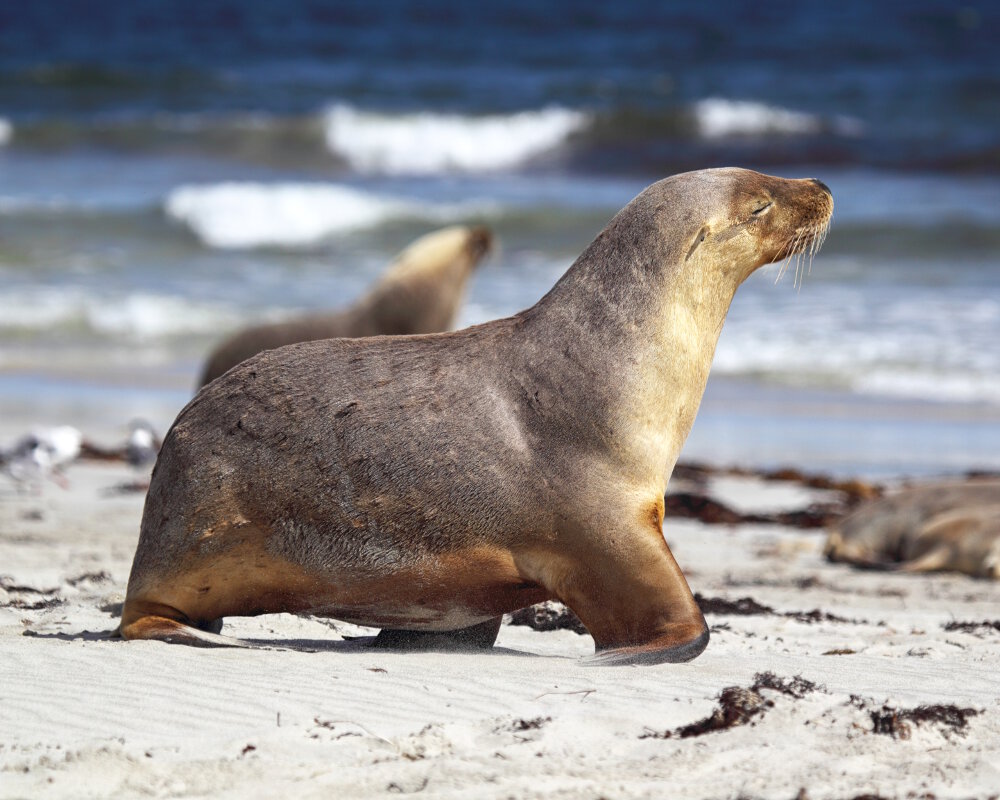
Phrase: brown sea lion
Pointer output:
(883, 533)
(961, 540)
(419, 293)
(433, 483)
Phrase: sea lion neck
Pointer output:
(615, 285)
(639, 322)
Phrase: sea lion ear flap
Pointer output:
(697, 241)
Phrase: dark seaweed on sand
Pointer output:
(548, 617)
(896, 722)
(38, 605)
(747, 606)
(691, 505)
(520, 725)
(738, 706)
(974, 627)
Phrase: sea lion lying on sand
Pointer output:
(433, 483)
(419, 293)
(952, 525)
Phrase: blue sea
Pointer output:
(172, 170)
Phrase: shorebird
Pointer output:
(41, 454)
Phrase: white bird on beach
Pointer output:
(143, 444)
(42, 453)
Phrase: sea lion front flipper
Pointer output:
(475, 637)
(633, 599)
(666, 652)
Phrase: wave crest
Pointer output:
(867, 341)
(245, 215)
(718, 118)
(143, 316)
(426, 142)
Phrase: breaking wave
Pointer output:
(717, 118)
(427, 142)
(143, 316)
(245, 215)
(870, 341)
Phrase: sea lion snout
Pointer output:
(821, 185)
(809, 197)
(804, 208)
(480, 242)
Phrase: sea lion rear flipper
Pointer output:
(144, 619)
(475, 637)
(932, 561)
(174, 632)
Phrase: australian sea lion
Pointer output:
(952, 525)
(881, 532)
(419, 293)
(433, 483)
(962, 540)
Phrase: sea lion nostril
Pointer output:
(822, 186)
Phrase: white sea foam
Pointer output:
(869, 340)
(6, 131)
(424, 143)
(717, 117)
(956, 387)
(244, 215)
(149, 316)
(142, 316)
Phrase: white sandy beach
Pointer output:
(324, 716)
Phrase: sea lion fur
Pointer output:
(433, 483)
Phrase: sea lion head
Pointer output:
(455, 250)
(689, 241)
(423, 289)
(741, 219)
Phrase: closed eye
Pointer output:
(762, 208)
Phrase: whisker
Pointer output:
(788, 249)
(818, 241)
(802, 247)
(812, 255)
(797, 255)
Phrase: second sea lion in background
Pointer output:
(899, 531)
(963, 540)
(419, 293)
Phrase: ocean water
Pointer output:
(169, 171)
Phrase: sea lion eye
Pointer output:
(761, 207)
